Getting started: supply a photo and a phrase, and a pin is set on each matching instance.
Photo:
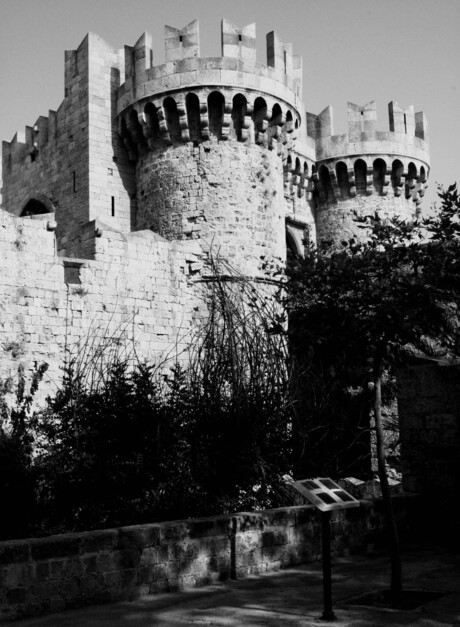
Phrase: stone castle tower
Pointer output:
(112, 200)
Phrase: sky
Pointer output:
(353, 50)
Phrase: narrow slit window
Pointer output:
(113, 206)
(405, 124)
(239, 37)
(180, 38)
(74, 181)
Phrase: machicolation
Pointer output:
(112, 202)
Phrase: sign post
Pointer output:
(326, 495)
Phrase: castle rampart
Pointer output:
(121, 192)
(368, 170)
(138, 288)
(212, 139)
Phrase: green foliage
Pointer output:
(121, 444)
(361, 310)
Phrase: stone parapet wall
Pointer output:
(137, 287)
(50, 574)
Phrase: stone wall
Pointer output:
(50, 574)
(137, 287)
(73, 159)
(227, 194)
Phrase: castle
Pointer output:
(112, 202)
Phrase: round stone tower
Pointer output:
(366, 170)
(214, 140)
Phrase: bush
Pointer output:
(123, 443)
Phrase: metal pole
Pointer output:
(328, 614)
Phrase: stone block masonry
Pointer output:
(136, 287)
(145, 166)
(50, 574)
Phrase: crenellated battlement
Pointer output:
(366, 161)
(145, 145)
(236, 43)
(184, 71)
(143, 159)
(407, 135)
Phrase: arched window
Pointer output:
(192, 104)
(341, 172)
(276, 115)
(260, 114)
(397, 171)
(411, 174)
(238, 112)
(36, 205)
(379, 172)
(33, 208)
(360, 177)
(172, 119)
(295, 243)
(216, 103)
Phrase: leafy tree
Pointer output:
(364, 307)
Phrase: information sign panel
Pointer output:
(325, 494)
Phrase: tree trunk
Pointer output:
(393, 540)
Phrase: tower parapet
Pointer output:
(217, 149)
(214, 139)
(389, 169)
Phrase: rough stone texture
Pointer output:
(334, 221)
(209, 193)
(49, 574)
(205, 152)
(429, 414)
(138, 286)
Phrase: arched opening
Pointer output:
(192, 105)
(216, 103)
(325, 184)
(397, 171)
(295, 242)
(422, 177)
(297, 169)
(379, 171)
(238, 112)
(289, 122)
(34, 208)
(343, 182)
(360, 177)
(152, 123)
(276, 119)
(288, 171)
(260, 114)
(411, 178)
(172, 119)
(292, 251)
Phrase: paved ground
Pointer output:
(290, 598)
